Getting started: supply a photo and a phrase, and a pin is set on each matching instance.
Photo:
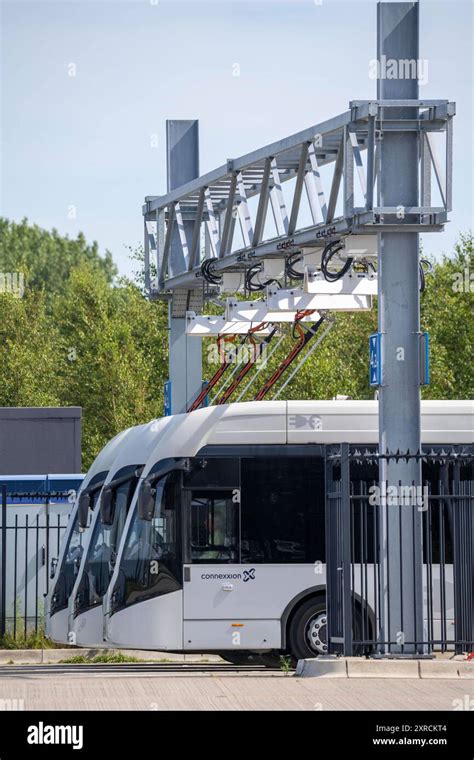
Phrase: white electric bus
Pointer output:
(64, 569)
(97, 563)
(224, 545)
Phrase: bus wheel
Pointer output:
(308, 630)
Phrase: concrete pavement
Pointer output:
(213, 691)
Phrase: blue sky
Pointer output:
(93, 145)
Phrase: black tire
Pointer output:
(308, 629)
(308, 640)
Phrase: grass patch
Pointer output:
(32, 640)
(115, 657)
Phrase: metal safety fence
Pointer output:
(32, 525)
(362, 592)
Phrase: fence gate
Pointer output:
(353, 514)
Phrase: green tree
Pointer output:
(447, 308)
(80, 336)
(46, 258)
(112, 351)
(28, 345)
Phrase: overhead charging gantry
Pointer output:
(215, 202)
(270, 219)
(314, 223)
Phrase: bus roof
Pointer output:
(283, 422)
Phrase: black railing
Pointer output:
(28, 542)
(356, 503)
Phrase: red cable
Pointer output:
(303, 339)
(216, 377)
(284, 364)
(245, 369)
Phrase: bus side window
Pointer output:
(282, 509)
(214, 527)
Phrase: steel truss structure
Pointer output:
(214, 202)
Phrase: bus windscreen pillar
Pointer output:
(185, 358)
(399, 324)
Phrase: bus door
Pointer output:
(254, 538)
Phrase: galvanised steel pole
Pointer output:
(185, 357)
(399, 322)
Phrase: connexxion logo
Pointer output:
(248, 575)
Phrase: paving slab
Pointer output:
(327, 666)
(358, 667)
(20, 656)
(466, 669)
(445, 669)
(361, 668)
